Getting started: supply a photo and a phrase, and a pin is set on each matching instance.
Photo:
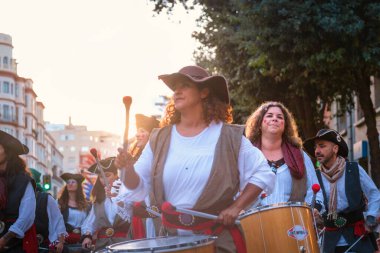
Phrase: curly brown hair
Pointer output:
(253, 125)
(63, 198)
(213, 110)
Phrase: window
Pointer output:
(377, 92)
(6, 112)
(5, 62)
(12, 88)
(85, 149)
(16, 90)
(72, 148)
(61, 149)
(6, 88)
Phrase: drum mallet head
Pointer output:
(316, 188)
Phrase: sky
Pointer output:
(84, 56)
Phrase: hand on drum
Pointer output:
(59, 247)
(123, 159)
(86, 244)
(228, 216)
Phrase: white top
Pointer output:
(27, 213)
(76, 217)
(368, 187)
(188, 166)
(56, 223)
(90, 225)
(283, 188)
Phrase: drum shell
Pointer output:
(273, 228)
(193, 244)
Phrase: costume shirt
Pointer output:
(76, 217)
(56, 223)
(27, 213)
(90, 225)
(283, 187)
(368, 187)
(184, 186)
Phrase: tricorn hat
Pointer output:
(148, 123)
(328, 135)
(10, 142)
(217, 84)
(78, 177)
(108, 165)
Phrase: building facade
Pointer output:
(21, 115)
(75, 143)
(352, 127)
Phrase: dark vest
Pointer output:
(42, 219)
(354, 192)
(15, 193)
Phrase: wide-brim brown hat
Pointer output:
(11, 143)
(148, 123)
(328, 135)
(108, 165)
(78, 177)
(217, 84)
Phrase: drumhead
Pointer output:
(273, 206)
(162, 244)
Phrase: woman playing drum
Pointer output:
(273, 130)
(197, 160)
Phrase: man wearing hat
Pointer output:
(17, 199)
(103, 224)
(50, 227)
(344, 185)
(199, 161)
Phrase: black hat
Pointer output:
(148, 123)
(10, 142)
(78, 177)
(107, 164)
(328, 135)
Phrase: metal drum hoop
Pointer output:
(199, 240)
(273, 206)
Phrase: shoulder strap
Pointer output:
(319, 176)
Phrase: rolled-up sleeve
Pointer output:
(254, 168)
(27, 212)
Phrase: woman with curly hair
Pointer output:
(73, 205)
(273, 130)
(199, 161)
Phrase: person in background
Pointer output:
(50, 227)
(144, 126)
(17, 198)
(199, 161)
(74, 208)
(272, 129)
(103, 225)
(344, 185)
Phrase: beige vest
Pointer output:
(223, 183)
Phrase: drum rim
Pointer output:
(207, 240)
(273, 206)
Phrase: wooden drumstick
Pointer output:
(94, 153)
(200, 214)
(127, 101)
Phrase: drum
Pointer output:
(173, 244)
(283, 227)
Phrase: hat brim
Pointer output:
(217, 84)
(77, 177)
(14, 144)
(105, 163)
(309, 145)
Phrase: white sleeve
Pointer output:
(254, 168)
(89, 225)
(312, 179)
(371, 192)
(56, 222)
(143, 168)
(26, 212)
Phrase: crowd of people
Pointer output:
(194, 159)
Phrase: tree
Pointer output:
(308, 53)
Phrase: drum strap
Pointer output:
(172, 219)
(319, 176)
